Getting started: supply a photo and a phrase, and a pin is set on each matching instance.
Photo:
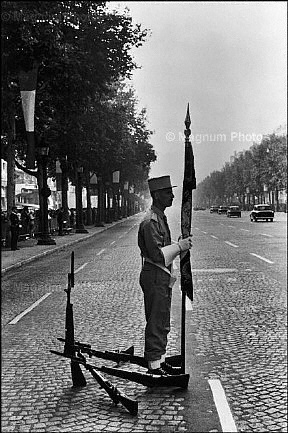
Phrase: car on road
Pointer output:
(233, 211)
(214, 209)
(262, 212)
(222, 209)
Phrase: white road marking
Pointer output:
(231, 245)
(262, 258)
(214, 237)
(205, 233)
(222, 406)
(221, 224)
(196, 228)
(100, 252)
(268, 236)
(81, 267)
(245, 230)
(113, 242)
(214, 271)
(17, 318)
(188, 304)
(232, 227)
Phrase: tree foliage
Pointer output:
(261, 168)
(82, 112)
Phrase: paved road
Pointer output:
(235, 333)
(239, 314)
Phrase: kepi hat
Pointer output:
(157, 183)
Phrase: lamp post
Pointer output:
(79, 208)
(44, 237)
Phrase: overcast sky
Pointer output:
(228, 60)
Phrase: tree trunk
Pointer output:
(64, 191)
(277, 200)
(79, 208)
(88, 197)
(11, 164)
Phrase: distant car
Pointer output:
(262, 212)
(222, 209)
(214, 209)
(234, 211)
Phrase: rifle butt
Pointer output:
(78, 378)
(130, 404)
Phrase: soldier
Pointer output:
(156, 279)
(60, 221)
(14, 227)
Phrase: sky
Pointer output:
(227, 60)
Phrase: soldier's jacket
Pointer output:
(154, 234)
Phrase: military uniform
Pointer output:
(153, 235)
(156, 278)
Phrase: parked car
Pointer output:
(234, 211)
(222, 209)
(214, 209)
(262, 212)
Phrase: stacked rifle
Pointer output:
(75, 351)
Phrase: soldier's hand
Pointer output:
(185, 244)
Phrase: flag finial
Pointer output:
(187, 122)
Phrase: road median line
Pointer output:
(17, 318)
(231, 245)
(81, 267)
(225, 416)
(262, 258)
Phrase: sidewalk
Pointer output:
(29, 250)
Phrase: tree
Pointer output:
(263, 166)
(81, 49)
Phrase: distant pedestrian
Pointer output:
(60, 220)
(31, 224)
(25, 220)
(14, 227)
(49, 222)
(4, 228)
(72, 218)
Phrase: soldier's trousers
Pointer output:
(157, 301)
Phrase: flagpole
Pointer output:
(189, 183)
(183, 332)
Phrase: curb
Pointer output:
(61, 247)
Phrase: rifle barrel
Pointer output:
(114, 393)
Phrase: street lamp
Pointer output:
(44, 237)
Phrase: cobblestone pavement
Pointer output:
(235, 333)
(239, 320)
(108, 313)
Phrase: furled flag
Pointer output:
(28, 81)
